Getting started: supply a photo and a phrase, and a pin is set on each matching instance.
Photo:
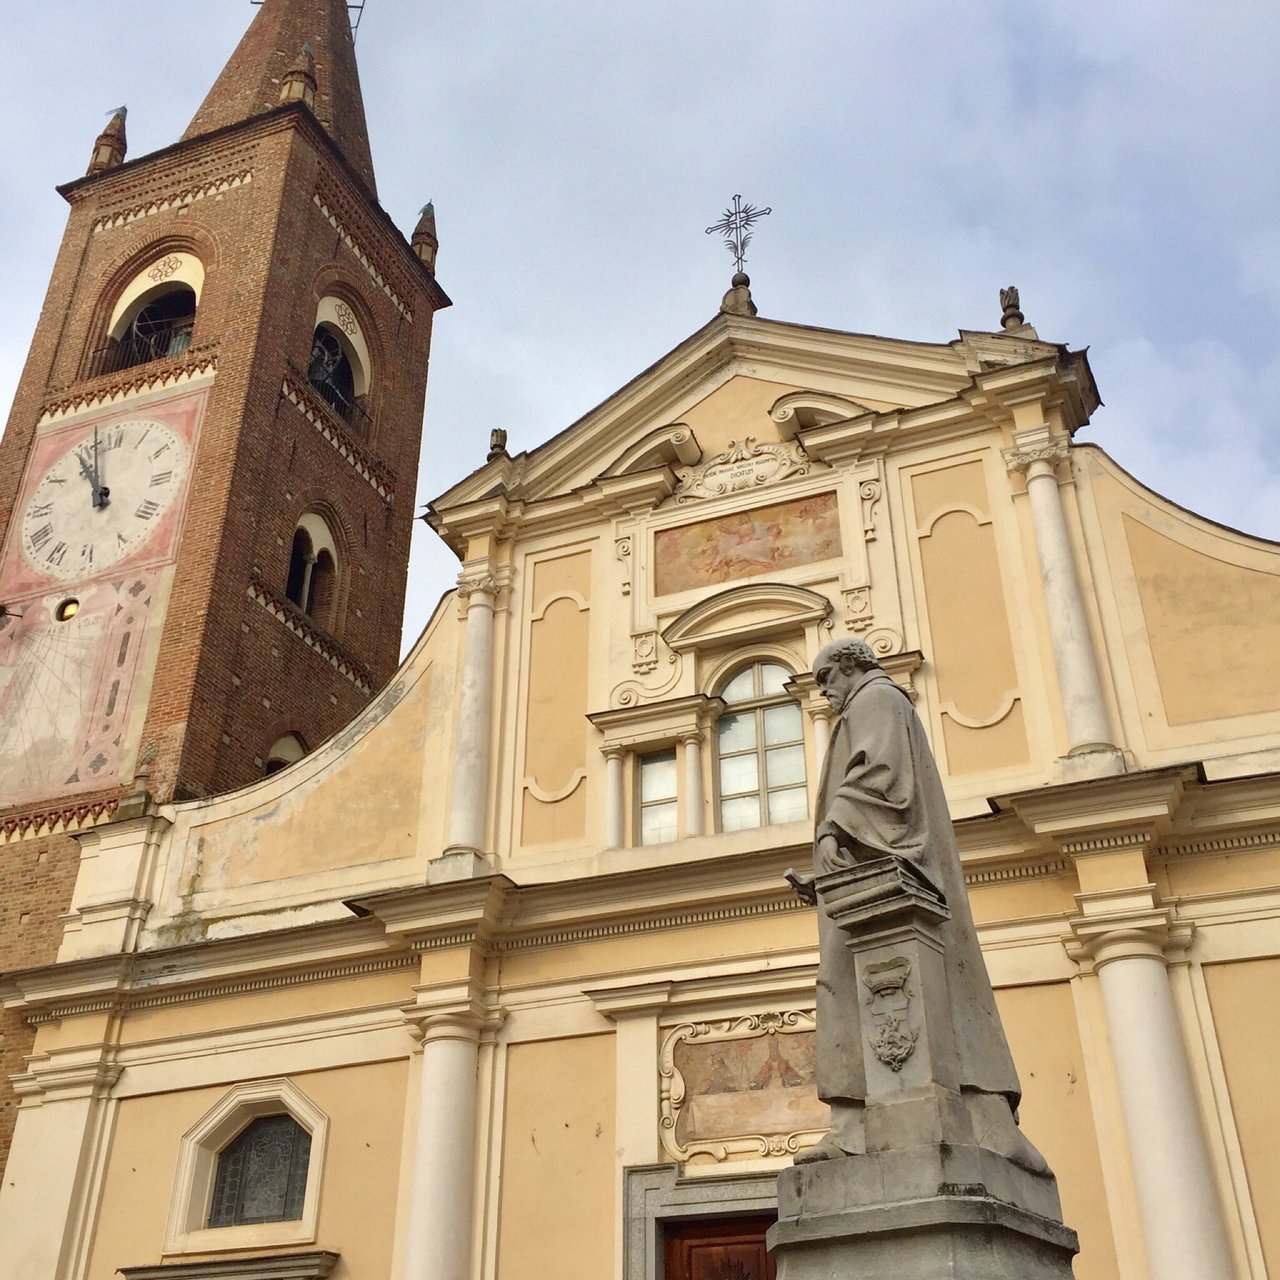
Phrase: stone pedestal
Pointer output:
(946, 1188)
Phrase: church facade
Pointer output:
(503, 978)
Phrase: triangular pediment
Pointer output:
(740, 389)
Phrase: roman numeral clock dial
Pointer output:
(103, 498)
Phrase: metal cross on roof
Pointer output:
(735, 227)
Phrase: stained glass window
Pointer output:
(262, 1174)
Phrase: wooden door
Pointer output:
(719, 1249)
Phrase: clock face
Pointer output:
(101, 500)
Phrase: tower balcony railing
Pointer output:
(141, 348)
(350, 410)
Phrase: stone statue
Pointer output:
(881, 798)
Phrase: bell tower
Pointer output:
(207, 477)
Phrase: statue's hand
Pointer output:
(828, 855)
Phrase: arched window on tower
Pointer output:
(760, 768)
(155, 315)
(330, 372)
(285, 751)
(312, 581)
(339, 364)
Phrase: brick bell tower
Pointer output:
(207, 477)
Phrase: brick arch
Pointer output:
(134, 257)
(330, 608)
(332, 281)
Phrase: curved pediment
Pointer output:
(669, 446)
(800, 409)
(747, 613)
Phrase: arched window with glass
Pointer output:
(760, 768)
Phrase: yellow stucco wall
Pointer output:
(557, 1207)
(365, 1106)
(1245, 998)
(1057, 1114)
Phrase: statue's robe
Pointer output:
(880, 794)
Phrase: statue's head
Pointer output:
(838, 666)
(850, 656)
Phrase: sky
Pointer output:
(1117, 162)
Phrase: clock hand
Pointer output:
(100, 490)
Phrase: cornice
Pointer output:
(366, 464)
(651, 722)
(1097, 808)
(232, 176)
(164, 164)
(196, 363)
(317, 640)
(69, 818)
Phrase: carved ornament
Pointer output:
(1021, 459)
(740, 1087)
(892, 1037)
(744, 465)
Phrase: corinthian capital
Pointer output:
(1022, 457)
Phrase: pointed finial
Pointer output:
(299, 82)
(424, 240)
(112, 145)
(1012, 317)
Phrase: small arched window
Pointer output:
(330, 372)
(162, 328)
(284, 751)
(312, 581)
(155, 314)
(262, 1174)
(339, 364)
(760, 768)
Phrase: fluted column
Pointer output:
(472, 741)
(1037, 453)
(1182, 1219)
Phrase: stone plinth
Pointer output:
(946, 1188)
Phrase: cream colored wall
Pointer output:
(1192, 616)
(556, 1209)
(357, 1207)
(1057, 1114)
(1245, 998)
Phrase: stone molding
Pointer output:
(229, 180)
(285, 611)
(186, 1227)
(660, 1193)
(366, 464)
(316, 1265)
(161, 374)
(673, 1097)
(650, 726)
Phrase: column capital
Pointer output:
(1037, 459)
(1119, 925)
(457, 1011)
(485, 585)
